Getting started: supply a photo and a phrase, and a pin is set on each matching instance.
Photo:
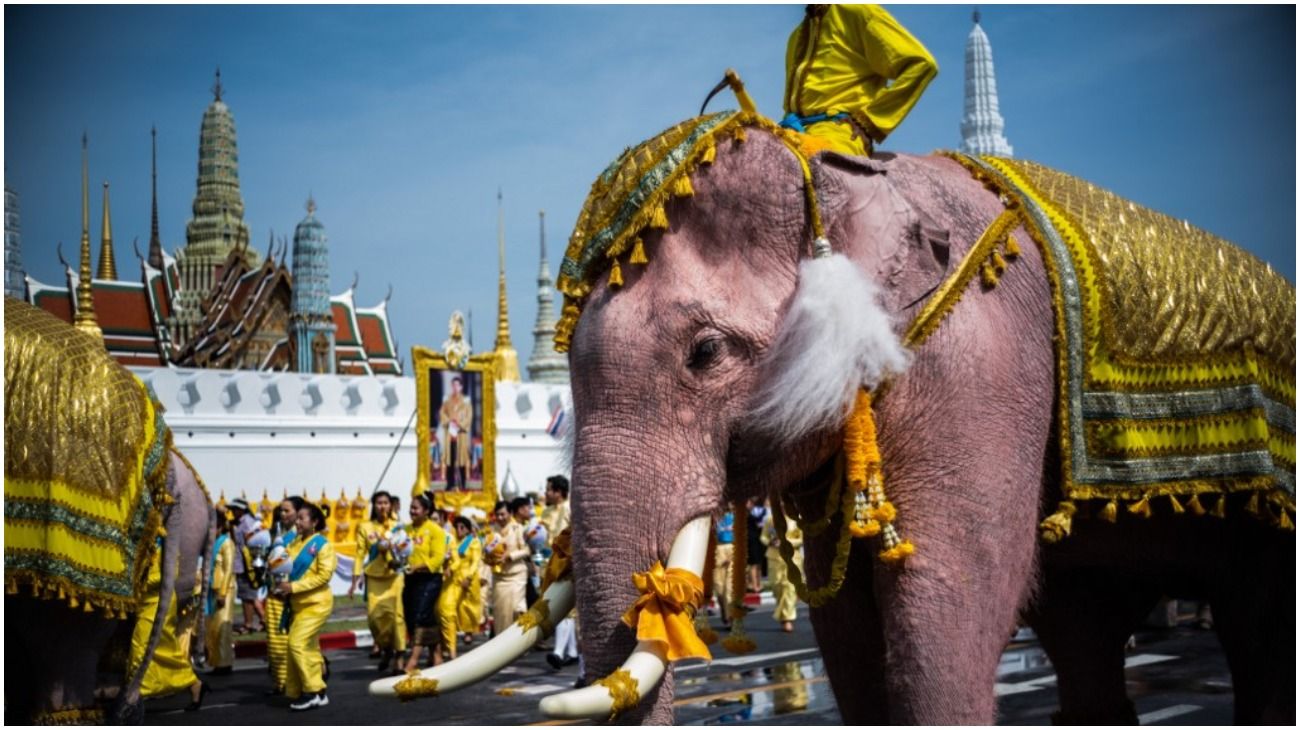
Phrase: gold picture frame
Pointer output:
(483, 365)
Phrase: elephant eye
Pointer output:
(705, 353)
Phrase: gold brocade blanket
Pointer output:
(85, 467)
(1176, 349)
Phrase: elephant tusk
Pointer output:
(647, 663)
(483, 662)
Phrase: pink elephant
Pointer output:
(672, 358)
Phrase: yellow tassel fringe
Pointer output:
(1142, 508)
(1109, 512)
(1194, 506)
(1176, 505)
(659, 219)
(710, 153)
(638, 253)
(1012, 248)
(682, 187)
(1056, 526)
(1284, 521)
(615, 275)
(988, 277)
(1220, 507)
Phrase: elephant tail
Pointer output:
(129, 697)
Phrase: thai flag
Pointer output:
(559, 422)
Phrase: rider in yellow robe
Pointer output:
(311, 601)
(383, 583)
(461, 605)
(852, 74)
(170, 670)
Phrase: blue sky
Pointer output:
(403, 121)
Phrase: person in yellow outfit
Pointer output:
(220, 603)
(383, 583)
(170, 670)
(310, 603)
(277, 639)
(852, 74)
(423, 581)
(461, 604)
(782, 589)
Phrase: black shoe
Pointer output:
(196, 705)
(385, 661)
(570, 661)
(221, 671)
(555, 661)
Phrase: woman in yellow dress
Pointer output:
(170, 670)
(310, 603)
(220, 608)
(461, 604)
(277, 640)
(383, 589)
(423, 581)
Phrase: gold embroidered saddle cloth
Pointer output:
(1176, 349)
(85, 467)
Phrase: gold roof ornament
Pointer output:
(454, 349)
(85, 317)
(107, 265)
(506, 357)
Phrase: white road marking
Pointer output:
(739, 660)
(540, 688)
(1138, 660)
(1154, 716)
(1013, 688)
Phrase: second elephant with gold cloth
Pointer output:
(384, 584)
(460, 608)
(782, 589)
(852, 74)
(310, 604)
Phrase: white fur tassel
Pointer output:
(835, 339)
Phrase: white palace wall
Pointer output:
(292, 433)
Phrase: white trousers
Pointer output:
(566, 639)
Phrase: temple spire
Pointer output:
(981, 124)
(217, 88)
(545, 365)
(85, 318)
(507, 358)
(107, 264)
(155, 240)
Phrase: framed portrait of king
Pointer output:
(456, 434)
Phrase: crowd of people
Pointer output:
(433, 585)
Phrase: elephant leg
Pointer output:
(57, 665)
(1254, 615)
(1083, 618)
(848, 631)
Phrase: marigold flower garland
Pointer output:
(738, 642)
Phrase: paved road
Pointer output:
(1175, 676)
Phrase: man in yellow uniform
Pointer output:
(852, 74)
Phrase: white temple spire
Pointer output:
(981, 124)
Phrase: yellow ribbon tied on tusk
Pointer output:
(665, 611)
(559, 566)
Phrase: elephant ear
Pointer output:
(914, 260)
